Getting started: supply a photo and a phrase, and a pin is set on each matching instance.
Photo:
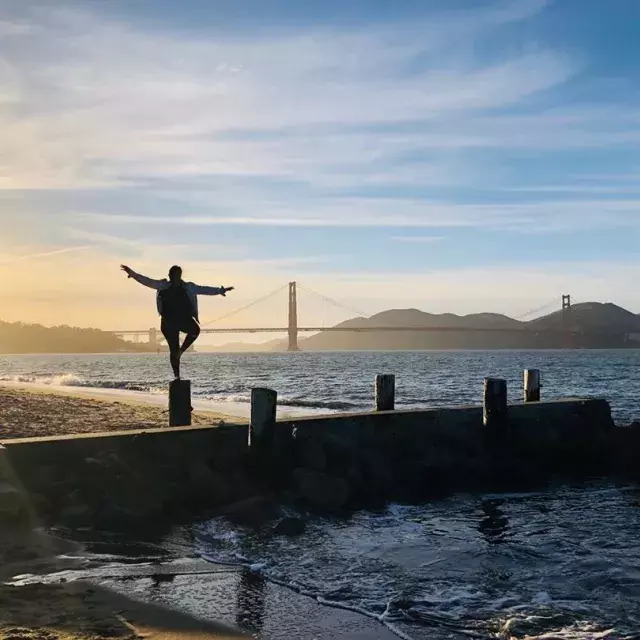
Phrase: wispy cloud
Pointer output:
(608, 178)
(98, 102)
(44, 254)
(394, 212)
(418, 239)
(10, 28)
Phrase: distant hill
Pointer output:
(596, 325)
(593, 317)
(18, 337)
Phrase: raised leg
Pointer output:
(193, 331)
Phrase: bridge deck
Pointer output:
(363, 330)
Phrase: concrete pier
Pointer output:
(325, 462)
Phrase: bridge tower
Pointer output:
(153, 337)
(293, 318)
(566, 321)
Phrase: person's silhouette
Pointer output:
(177, 303)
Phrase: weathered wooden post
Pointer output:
(180, 403)
(495, 412)
(263, 418)
(532, 385)
(385, 392)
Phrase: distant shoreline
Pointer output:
(202, 352)
(80, 353)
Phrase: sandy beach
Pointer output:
(30, 411)
(77, 611)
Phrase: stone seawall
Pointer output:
(326, 463)
(104, 480)
(418, 455)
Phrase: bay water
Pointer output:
(324, 382)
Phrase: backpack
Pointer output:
(176, 303)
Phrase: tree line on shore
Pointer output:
(19, 337)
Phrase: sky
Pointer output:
(447, 155)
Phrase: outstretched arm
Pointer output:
(143, 280)
(211, 291)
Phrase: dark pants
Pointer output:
(171, 329)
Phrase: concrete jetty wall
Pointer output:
(327, 462)
(417, 455)
(108, 479)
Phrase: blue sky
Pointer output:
(447, 155)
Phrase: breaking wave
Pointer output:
(72, 380)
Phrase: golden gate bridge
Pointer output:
(293, 328)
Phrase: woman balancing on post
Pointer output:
(178, 306)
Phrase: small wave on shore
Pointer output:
(319, 404)
(73, 380)
(59, 380)
(154, 388)
(316, 406)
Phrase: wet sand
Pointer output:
(139, 600)
(78, 610)
(32, 411)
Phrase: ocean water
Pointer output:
(559, 564)
(563, 564)
(329, 382)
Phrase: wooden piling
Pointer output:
(263, 418)
(385, 395)
(532, 385)
(495, 413)
(180, 403)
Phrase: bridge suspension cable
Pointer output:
(537, 310)
(333, 302)
(247, 306)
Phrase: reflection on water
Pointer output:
(495, 524)
(251, 602)
(158, 579)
